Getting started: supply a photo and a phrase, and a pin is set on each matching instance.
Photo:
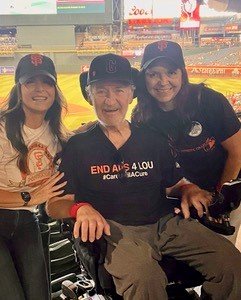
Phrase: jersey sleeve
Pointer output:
(219, 114)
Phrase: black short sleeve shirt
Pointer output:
(198, 150)
(126, 185)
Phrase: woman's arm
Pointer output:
(10, 199)
(59, 207)
(40, 195)
(233, 163)
(224, 125)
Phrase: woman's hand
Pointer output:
(85, 127)
(90, 225)
(48, 189)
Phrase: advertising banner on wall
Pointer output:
(209, 29)
(161, 10)
(50, 7)
(6, 70)
(214, 71)
(80, 6)
(190, 17)
(166, 9)
(233, 28)
(152, 9)
(136, 9)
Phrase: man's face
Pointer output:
(110, 101)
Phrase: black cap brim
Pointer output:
(107, 78)
(26, 77)
(83, 79)
(149, 62)
(83, 84)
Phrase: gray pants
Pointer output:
(133, 253)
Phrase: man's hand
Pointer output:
(192, 195)
(90, 225)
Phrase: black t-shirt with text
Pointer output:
(125, 185)
(198, 148)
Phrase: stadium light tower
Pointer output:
(118, 15)
(117, 6)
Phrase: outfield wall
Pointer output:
(65, 62)
(214, 71)
(70, 62)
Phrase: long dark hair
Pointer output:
(14, 118)
(148, 108)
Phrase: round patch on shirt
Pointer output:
(196, 129)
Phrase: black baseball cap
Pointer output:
(83, 78)
(110, 67)
(32, 65)
(162, 49)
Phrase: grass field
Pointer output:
(79, 111)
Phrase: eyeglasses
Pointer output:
(122, 173)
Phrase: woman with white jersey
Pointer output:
(31, 134)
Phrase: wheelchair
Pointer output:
(181, 277)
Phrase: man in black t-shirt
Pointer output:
(119, 176)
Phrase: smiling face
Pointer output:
(163, 82)
(110, 101)
(38, 94)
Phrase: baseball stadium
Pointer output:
(212, 50)
(72, 33)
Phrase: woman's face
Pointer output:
(163, 82)
(38, 94)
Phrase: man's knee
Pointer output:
(145, 273)
(134, 261)
(142, 280)
(225, 263)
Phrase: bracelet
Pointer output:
(74, 208)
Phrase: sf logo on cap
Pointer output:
(36, 59)
(162, 45)
(111, 66)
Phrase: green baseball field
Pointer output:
(79, 111)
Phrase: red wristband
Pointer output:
(74, 208)
(219, 187)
